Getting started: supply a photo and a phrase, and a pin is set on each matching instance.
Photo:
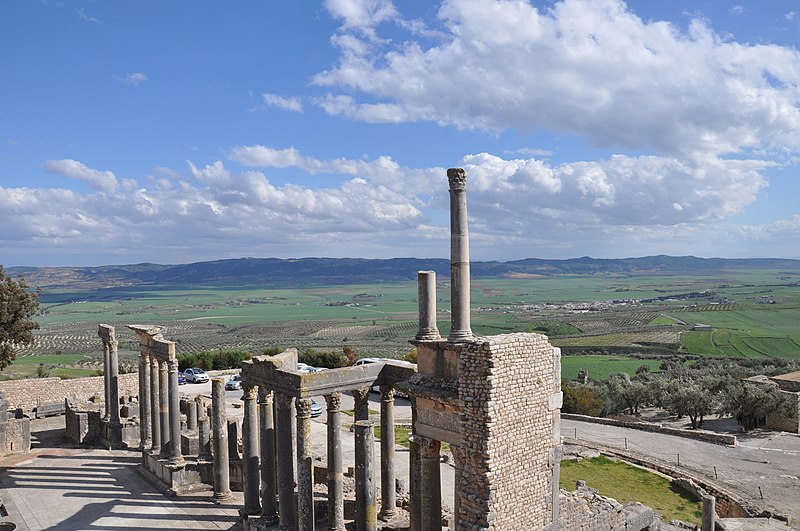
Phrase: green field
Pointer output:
(626, 483)
(601, 367)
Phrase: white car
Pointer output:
(195, 375)
(377, 388)
(234, 383)
(302, 367)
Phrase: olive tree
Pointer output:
(18, 304)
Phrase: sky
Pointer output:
(175, 132)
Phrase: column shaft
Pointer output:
(269, 508)
(388, 493)
(191, 415)
(155, 407)
(283, 442)
(361, 398)
(431, 499)
(459, 257)
(163, 407)
(113, 362)
(335, 475)
(414, 475)
(219, 427)
(305, 466)
(251, 450)
(426, 295)
(176, 457)
(145, 428)
(107, 378)
(365, 481)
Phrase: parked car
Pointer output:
(377, 388)
(234, 383)
(195, 375)
(303, 367)
(181, 379)
(316, 409)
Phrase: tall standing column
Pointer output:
(219, 428)
(459, 458)
(250, 449)
(365, 481)
(431, 502)
(460, 329)
(283, 446)
(335, 475)
(107, 378)
(388, 495)
(163, 407)
(145, 430)
(176, 457)
(426, 295)
(305, 466)
(113, 362)
(155, 407)
(269, 509)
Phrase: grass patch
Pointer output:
(601, 367)
(50, 359)
(626, 483)
(352, 413)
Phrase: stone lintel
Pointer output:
(106, 333)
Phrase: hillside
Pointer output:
(303, 271)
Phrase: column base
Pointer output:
(385, 516)
(222, 497)
(460, 336)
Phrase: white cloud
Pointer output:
(287, 104)
(361, 14)
(103, 181)
(134, 79)
(590, 68)
(82, 14)
(737, 10)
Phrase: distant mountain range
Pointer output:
(303, 271)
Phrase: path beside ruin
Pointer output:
(763, 459)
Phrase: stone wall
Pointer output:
(716, 438)
(783, 423)
(30, 392)
(509, 391)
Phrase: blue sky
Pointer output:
(174, 132)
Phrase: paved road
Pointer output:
(766, 460)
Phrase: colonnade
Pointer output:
(159, 398)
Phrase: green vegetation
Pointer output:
(626, 483)
(601, 367)
(217, 360)
(18, 305)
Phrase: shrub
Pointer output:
(330, 359)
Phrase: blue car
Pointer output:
(181, 379)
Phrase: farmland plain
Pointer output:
(602, 321)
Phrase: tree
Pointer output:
(693, 400)
(623, 393)
(751, 403)
(18, 304)
(581, 401)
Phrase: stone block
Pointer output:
(638, 516)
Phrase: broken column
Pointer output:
(250, 449)
(426, 295)
(191, 415)
(431, 484)
(365, 482)
(219, 422)
(709, 512)
(459, 257)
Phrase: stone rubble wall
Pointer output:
(707, 436)
(30, 392)
(506, 388)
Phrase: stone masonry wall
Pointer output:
(29, 393)
(509, 397)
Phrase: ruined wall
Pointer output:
(29, 393)
(509, 388)
(783, 423)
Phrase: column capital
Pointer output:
(387, 393)
(457, 178)
(303, 406)
(144, 357)
(361, 394)
(172, 364)
(334, 402)
(429, 448)
(265, 396)
(251, 392)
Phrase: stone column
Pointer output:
(335, 475)
(305, 466)
(107, 379)
(113, 363)
(145, 432)
(176, 457)
(163, 407)
(283, 447)
(365, 482)
(709, 513)
(269, 508)
(191, 415)
(155, 406)
(459, 257)
(459, 458)
(251, 450)
(219, 424)
(388, 494)
(431, 502)
(414, 475)
(426, 295)
(361, 407)
(204, 439)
